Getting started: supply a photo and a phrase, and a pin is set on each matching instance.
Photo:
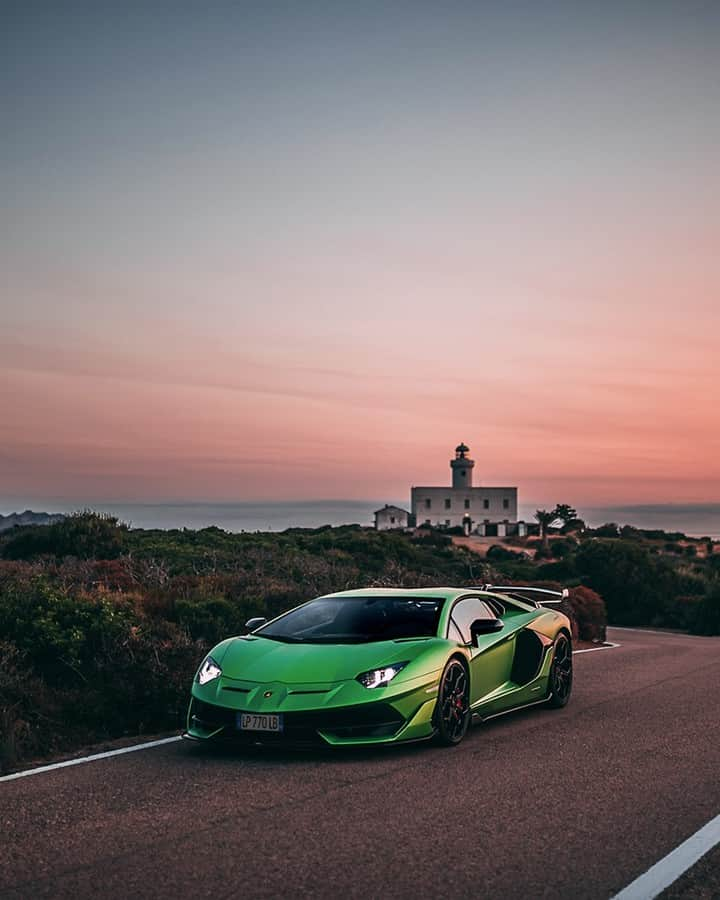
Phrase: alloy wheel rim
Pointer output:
(562, 669)
(454, 706)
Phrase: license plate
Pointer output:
(259, 722)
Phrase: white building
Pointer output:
(390, 517)
(484, 510)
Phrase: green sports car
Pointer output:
(384, 666)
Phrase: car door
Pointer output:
(491, 662)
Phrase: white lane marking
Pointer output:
(85, 759)
(608, 645)
(671, 867)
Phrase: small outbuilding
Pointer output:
(390, 517)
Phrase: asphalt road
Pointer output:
(570, 803)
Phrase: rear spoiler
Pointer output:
(536, 596)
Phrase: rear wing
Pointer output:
(532, 595)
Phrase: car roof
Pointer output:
(429, 592)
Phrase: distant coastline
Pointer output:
(694, 519)
(28, 517)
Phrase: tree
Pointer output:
(565, 512)
(545, 518)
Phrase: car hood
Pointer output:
(263, 660)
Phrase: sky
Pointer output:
(287, 251)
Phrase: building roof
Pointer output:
(477, 489)
(389, 508)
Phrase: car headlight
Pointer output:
(208, 671)
(380, 677)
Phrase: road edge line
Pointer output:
(38, 770)
(608, 645)
(667, 870)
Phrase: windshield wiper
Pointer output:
(285, 639)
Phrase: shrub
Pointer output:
(586, 610)
(77, 668)
(563, 547)
(706, 619)
(635, 585)
(210, 619)
(497, 552)
(609, 529)
(19, 694)
(86, 535)
(561, 571)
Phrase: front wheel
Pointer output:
(561, 673)
(452, 712)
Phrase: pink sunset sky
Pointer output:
(287, 255)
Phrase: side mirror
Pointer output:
(252, 624)
(484, 626)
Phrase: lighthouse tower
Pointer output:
(462, 467)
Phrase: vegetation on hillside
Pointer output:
(102, 627)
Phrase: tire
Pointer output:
(561, 673)
(452, 711)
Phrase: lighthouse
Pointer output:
(462, 467)
(486, 511)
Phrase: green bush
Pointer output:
(706, 619)
(211, 619)
(498, 553)
(561, 571)
(636, 586)
(75, 669)
(608, 530)
(86, 535)
(563, 547)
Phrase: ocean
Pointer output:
(698, 519)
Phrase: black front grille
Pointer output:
(370, 720)
(212, 716)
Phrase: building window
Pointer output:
(462, 473)
(428, 503)
(467, 504)
(486, 504)
(447, 523)
(447, 503)
(506, 503)
(392, 520)
(427, 522)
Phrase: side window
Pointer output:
(464, 614)
(454, 633)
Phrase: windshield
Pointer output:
(356, 620)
